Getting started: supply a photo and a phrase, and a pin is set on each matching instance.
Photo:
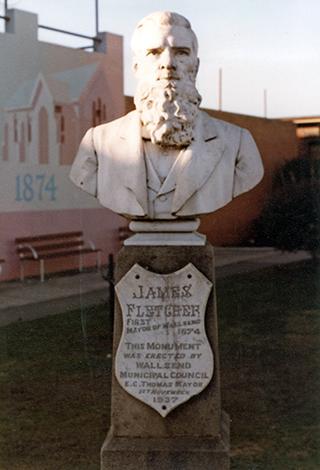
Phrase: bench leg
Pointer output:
(21, 271)
(42, 270)
(80, 263)
(98, 261)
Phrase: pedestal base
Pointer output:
(165, 233)
(180, 453)
(195, 435)
(166, 239)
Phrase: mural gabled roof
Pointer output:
(64, 86)
(58, 90)
(23, 95)
(77, 78)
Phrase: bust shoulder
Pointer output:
(222, 127)
(122, 123)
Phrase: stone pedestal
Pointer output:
(193, 436)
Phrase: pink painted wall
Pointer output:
(98, 225)
(29, 57)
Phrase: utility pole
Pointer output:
(220, 90)
(97, 17)
(96, 39)
(265, 102)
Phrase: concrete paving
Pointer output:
(32, 299)
(237, 260)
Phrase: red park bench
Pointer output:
(40, 248)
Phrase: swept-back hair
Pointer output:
(164, 18)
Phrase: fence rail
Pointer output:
(57, 30)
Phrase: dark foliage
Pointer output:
(290, 220)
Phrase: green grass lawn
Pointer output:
(55, 378)
(269, 343)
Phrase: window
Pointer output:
(29, 129)
(62, 129)
(43, 132)
(98, 112)
(15, 129)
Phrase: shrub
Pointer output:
(290, 219)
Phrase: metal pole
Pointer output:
(97, 17)
(84, 48)
(5, 7)
(58, 30)
(220, 90)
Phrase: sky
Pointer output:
(271, 45)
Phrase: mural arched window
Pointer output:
(22, 144)
(43, 127)
(99, 107)
(15, 128)
(62, 129)
(60, 121)
(6, 143)
(29, 129)
(98, 112)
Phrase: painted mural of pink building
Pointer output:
(46, 117)
(49, 96)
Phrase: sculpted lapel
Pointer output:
(170, 182)
(198, 162)
(133, 169)
(190, 172)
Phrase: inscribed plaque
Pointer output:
(164, 356)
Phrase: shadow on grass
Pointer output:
(55, 391)
(55, 378)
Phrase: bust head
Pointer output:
(164, 40)
(166, 64)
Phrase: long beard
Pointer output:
(168, 111)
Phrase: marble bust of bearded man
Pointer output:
(167, 159)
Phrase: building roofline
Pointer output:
(302, 119)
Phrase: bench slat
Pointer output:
(52, 247)
(62, 254)
(51, 236)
